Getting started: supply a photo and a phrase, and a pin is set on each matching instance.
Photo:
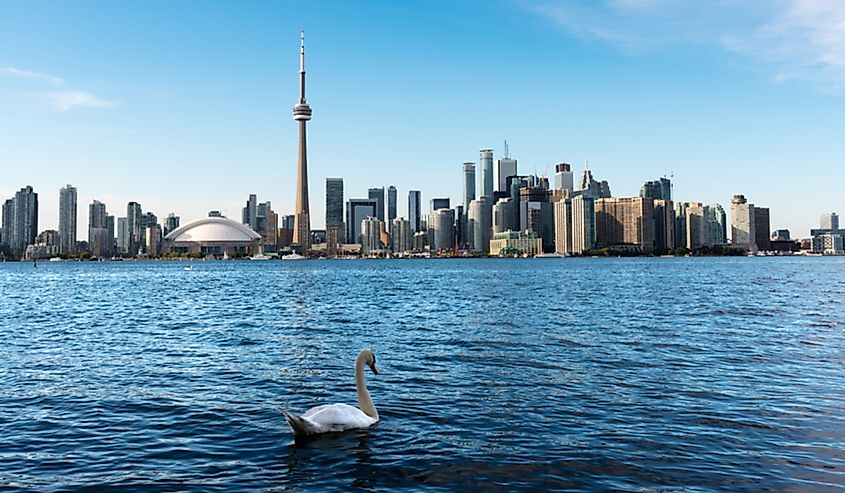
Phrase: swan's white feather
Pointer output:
(331, 418)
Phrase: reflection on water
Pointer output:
(501, 375)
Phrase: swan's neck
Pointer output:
(365, 403)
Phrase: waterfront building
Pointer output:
(67, 219)
(171, 222)
(420, 241)
(626, 222)
(442, 225)
(133, 225)
(371, 237)
(250, 212)
(147, 219)
(469, 183)
(583, 224)
(153, 239)
(829, 221)
(780, 235)
(762, 229)
(47, 244)
(696, 225)
(377, 194)
(391, 203)
(20, 221)
(563, 177)
(717, 227)
(537, 214)
(415, 210)
(681, 225)
(401, 236)
(664, 226)
(302, 113)
(334, 209)
(486, 163)
(7, 220)
(212, 236)
(99, 239)
(480, 224)
(516, 243)
(743, 233)
(285, 239)
(828, 244)
(356, 211)
(563, 226)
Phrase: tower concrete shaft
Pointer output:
(302, 113)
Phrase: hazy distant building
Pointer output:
(583, 224)
(486, 163)
(377, 194)
(443, 226)
(829, 221)
(415, 210)
(99, 238)
(626, 223)
(7, 221)
(505, 168)
(480, 224)
(133, 225)
(563, 177)
(123, 235)
(762, 229)
(780, 235)
(67, 219)
(391, 203)
(249, 214)
(401, 236)
(356, 211)
(20, 221)
(153, 238)
(469, 183)
(171, 222)
(743, 233)
(334, 209)
(657, 189)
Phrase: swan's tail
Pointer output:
(297, 424)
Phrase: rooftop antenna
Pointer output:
(586, 164)
(507, 153)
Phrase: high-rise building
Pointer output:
(99, 239)
(302, 113)
(716, 233)
(25, 223)
(391, 203)
(657, 189)
(696, 225)
(7, 225)
(469, 183)
(443, 226)
(377, 194)
(123, 235)
(480, 224)
(134, 240)
(505, 168)
(583, 224)
(67, 219)
(153, 240)
(441, 203)
(563, 177)
(250, 212)
(743, 233)
(664, 226)
(371, 243)
(505, 215)
(356, 211)
(334, 208)
(591, 187)
(415, 210)
(762, 229)
(625, 222)
(401, 235)
(537, 214)
(829, 220)
(171, 223)
(563, 226)
(486, 164)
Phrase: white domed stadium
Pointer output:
(213, 236)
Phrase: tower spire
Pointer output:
(302, 67)
(302, 113)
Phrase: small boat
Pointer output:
(260, 256)
(293, 256)
(55, 259)
(548, 255)
(225, 255)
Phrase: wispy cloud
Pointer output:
(69, 100)
(791, 39)
(25, 74)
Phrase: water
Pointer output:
(552, 374)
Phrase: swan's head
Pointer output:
(370, 360)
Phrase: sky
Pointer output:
(186, 106)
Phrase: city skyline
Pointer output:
(105, 145)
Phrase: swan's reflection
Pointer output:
(311, 456)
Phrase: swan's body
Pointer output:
(340, 417)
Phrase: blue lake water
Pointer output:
(693, 374)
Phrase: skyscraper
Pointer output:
(334, 208)
(67, 219)
(99, 242)
(480, 224)
(171, 223)
(302, 113)
(250, 212)
(377, 194)
(123, 235)
(400, 235)
(625, 222)
(829, 220)
(414, 210)
(505, 167)
(20, 221)
(443, 225)
(391, 203)
(563, 177)
(743, 234)
(486, 172)
(762, 233)
(439, 203)
(134, 238)
(583, 224)
(469, 183)
(356, 211)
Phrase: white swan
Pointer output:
(340, 417)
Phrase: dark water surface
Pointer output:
(547, 374)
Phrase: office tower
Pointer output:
(67, 219)
(249, 215)
(505, 168)
(99, 242)
(24, 220)
(460, 226)
(415, 210)
(743, 234)
(563, 177)
(302, 113)
(443, 226)
(563, 226)
(123, 235)
(716, 234)
(664, 226)
(696, 225)
(829, 221)
(334, 208)
(110, 234)
(480, 224)
(486, 164)
(285, 238)
(377, 194)
(6, 225)
(583, 224)
(469, 183)
(625, 222)
(657, 189)
(152, 235)
(371, 236)
(356, 211)
(401, 236)
(591, 187)
(442, 203)
(171, 223)
(503, 215)
(391, 203)
(537, 214)
(762, 230)
(681, 225)
(147, 219)
(133, 225)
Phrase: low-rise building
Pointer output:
(516, 243)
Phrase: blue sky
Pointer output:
(186, 106)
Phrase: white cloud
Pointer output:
(25, 74)
(68, 100)
(791, 39)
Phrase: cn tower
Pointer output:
(302, 113)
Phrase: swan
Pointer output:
(340, 417)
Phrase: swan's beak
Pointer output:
(373, 367)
